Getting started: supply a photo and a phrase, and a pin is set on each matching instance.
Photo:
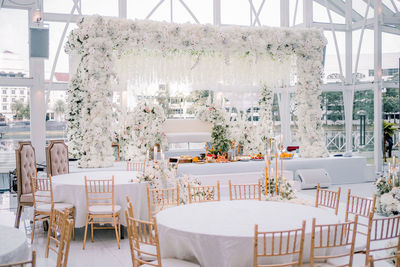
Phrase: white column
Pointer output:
(37, 103)
(284, 13)
(378, 85)
(307, 13)
(217, 12)
(348, 98)
(348, 93)
(122, 9)
(38, 108)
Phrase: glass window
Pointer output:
(22, 99)
(13, 91)
(14, 50)
(21, 92)
(62, 67)
(13, 99)
(57, 6)
(4, 99)
(4, 107)
(235, 12)
(4, 91)
(101, 7)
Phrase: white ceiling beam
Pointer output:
(385, 10)
(59, 17)
(26, 82)
(391, 20)
(328, 26)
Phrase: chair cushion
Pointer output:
(150, 249)
(28, 167)
(26, 198)
(174, 263)
(57, 206)
(59, 159)
(104, 209)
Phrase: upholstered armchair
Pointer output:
(57, 158)
(26, 166)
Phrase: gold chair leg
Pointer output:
(116, 230)
(91, 220)
(49, 233)
(86, 226)
(33, 227)
(18, 216)
(73, 217)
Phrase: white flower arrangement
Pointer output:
(211, 114)
(388, 198)
(142, 130)
(208, 54)
(285, 190)
(157, 175)
(265, 102)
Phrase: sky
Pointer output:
(14, 30)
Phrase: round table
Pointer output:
(70, 188)
(13, 246)
(222, 233)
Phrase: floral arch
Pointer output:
(198, 54)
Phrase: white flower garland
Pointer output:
(265, 122)
(142, 131)
(101, 41)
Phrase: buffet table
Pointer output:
(342, 170)
(70, 188)
(222, 233)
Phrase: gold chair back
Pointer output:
(142, 233)
(275, 245)
(383, 229)
(161, 198)
(204, 193)
(99, 192)
(59, 236)
(327, 198)
(32, 262)
(336, 237)
(244, 191)
(361, 206)
(138, 166)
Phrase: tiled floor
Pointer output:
(104, 251)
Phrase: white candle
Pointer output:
(389, 170)
(155, 153)
(393, 159)
(147, 154)
(162, 156)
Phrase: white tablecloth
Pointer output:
(221, 234)
(342, 170)
(71, 188)
(13, 245)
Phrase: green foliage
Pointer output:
(388, 128)
(20, 110)
(219, 139)
(333, 106)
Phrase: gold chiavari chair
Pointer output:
(161, 198)
(100, 203)
(278, 244)
(145, 234)
(138, 166)
(32, 262)
(244, 191)
(204, 193)
(59, 236)
(379, 231)
(327, 198)
(43, 202)
(363, 207)
(339, 238)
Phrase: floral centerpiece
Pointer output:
(388, 197)
(278, 191)
(157, 175)
(142, 131)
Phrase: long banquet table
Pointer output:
(342, 170)
(222, 233)
(71, 188)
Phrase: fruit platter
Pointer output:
(286, 155)
(259, 156)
